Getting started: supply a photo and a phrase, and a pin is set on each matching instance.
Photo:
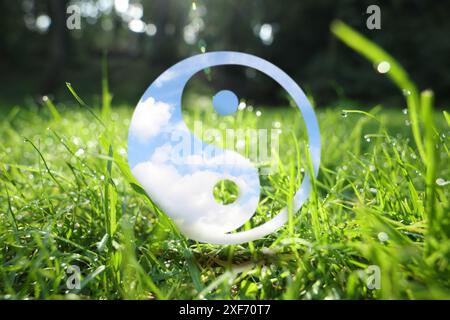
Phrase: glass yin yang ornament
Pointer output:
(181, 180)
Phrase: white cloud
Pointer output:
(188, 197)
(149, 118)
(162, 154)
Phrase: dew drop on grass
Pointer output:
(405, 111)
(234, 290)
(258, 113)
(76, 141)
(383, 237)
(344, 114)
(383, 67)
(372, 168)
(442, 182)
(242, 106)
(79, 152)
(406, 92)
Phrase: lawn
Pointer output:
(376, 224)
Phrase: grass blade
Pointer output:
(106, 95)
(399, 76)
(51, 107)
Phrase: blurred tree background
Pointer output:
(38, 53)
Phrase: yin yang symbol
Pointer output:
(180, 179)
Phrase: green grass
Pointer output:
(67, 198)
